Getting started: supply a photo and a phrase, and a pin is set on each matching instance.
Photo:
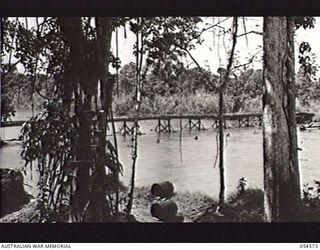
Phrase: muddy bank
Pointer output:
(28, 214)
(190, 206)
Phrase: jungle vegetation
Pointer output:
(67, 64)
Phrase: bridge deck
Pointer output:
(227, 116)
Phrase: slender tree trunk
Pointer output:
(224, 79)
(281, 170)
(221, 147)
(139, 46)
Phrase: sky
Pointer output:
(208, 53)
(213, 52)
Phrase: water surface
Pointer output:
(187, 162)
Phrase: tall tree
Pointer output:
(224, 79)
(281, 170)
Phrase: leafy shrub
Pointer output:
(46, 141)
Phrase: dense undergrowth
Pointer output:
(198, 103)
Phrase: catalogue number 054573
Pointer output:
(309, 246)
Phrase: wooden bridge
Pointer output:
(194, 122)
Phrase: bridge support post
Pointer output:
(164, 127)
(248, 122)
(260, 121)
(200, 125)
(215, 123)
(160, 127)
(125, 129)
(169, 126)
(196, 125)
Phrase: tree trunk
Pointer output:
(85, 81)
(221, 148)
(72, 32)
(104, 33)
(281, 170)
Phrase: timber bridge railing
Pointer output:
(194, 121)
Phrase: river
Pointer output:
(189, 162)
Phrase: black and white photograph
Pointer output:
(163, 119)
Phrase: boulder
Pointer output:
(12, 195)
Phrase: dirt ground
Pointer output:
(190, 207)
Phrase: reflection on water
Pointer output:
(189, 163)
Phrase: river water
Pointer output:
(187, 162)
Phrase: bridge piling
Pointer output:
(215, 124)
(164, 127)
(198, 125)
(248, 122)
(126, 129)
(160, 128)
(169, 126)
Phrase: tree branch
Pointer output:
(230, 61)
(200, 68)
(214, 25)
(247, 63)
(251, 32)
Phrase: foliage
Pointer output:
(311, 202)
(47, 142)
(246, 85)
(305, 22)
(307, 59)
(18, 88)
(174, 89)
(175, 78)
(127, 78)
(47, 50)
(50, 140)
(308, 87)
(38, 49)
(308, 91)
(7, 107)
(199, 103)
(165, 37)
(248, 205)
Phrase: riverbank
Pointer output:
(241, 206)
(192, 207)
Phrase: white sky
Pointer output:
(213, 47)
(207, 53)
